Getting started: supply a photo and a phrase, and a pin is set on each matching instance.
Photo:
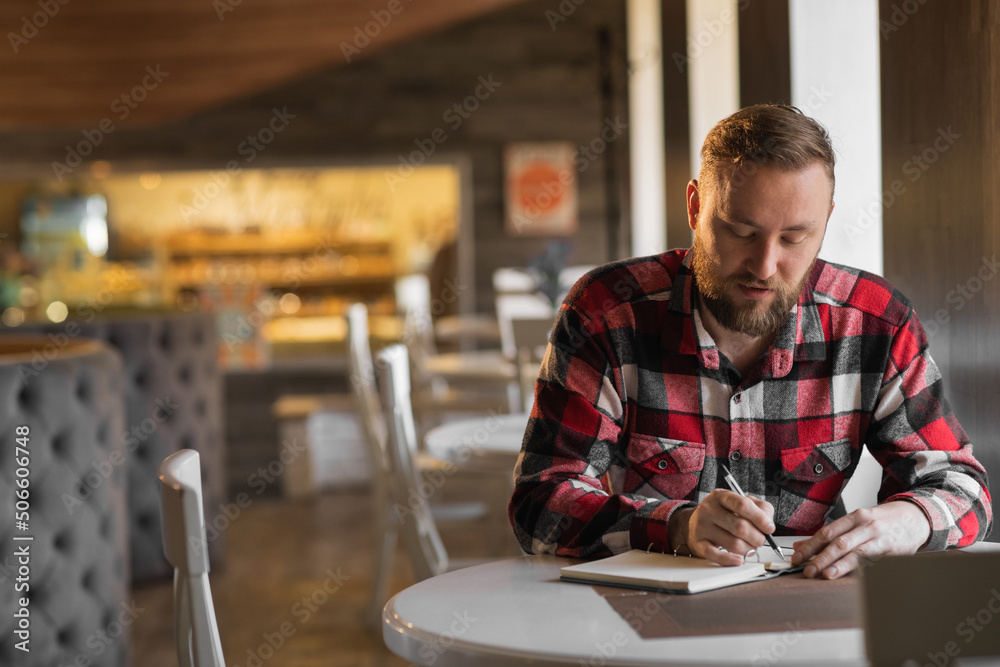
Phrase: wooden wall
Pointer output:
(676, 126)
(765, 53)
(941, 151)
(545, 55)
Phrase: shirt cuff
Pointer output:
(649, 526)
(941, 528)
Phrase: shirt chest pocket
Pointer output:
(662, 467)
(811, 480)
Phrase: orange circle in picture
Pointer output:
(539, 186)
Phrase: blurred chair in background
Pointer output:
(186, 548)
(411, 493)
(530, 338)
(435, 375)
(386, 521)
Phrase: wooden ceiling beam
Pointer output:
(66, 63)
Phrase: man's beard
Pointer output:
(749, 319)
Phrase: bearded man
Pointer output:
(744, 351)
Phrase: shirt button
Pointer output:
(737, 398)
(735, 456)
(818, 468)
(662, 465)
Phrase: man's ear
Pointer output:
(693, 203)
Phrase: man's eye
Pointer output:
(740, 236)
(794, 241)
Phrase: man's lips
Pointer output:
(754, 292)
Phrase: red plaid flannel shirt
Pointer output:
(635, 409)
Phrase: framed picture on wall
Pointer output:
(540, 189)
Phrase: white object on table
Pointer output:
(517, 612)
(492, 441)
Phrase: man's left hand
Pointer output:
(899, 527)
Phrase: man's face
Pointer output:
(757, 236)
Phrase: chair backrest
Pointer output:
(531, 335)
(413, 304)
(513, 280)
(523, 306)
(362, 379)
(186, 548)
(423, 543)
(571, 274)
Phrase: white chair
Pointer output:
(571, 274)
(384, 519)
(186, 548)
(433, 396)
(426, 551)
(513, 280)
(531, 336)
(362, 381)
(411, 498)
(522, 306)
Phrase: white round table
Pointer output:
(492, 442)
(517, 612)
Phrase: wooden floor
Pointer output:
(270, 592)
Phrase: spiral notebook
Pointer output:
(674, 574)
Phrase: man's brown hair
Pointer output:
(771, 135)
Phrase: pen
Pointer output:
(731, 483)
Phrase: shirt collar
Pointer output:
(801, 337)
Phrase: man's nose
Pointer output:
(763, 263)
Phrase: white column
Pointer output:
(713, 62)
(835, 79)
(645, 97)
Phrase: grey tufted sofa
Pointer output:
(173, 401)
(69, 396)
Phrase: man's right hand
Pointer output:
(723, 519)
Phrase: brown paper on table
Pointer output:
(787, 603)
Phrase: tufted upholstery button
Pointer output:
(62, 542)
(83, 389)
(58, 444)
(166, 340)
(662, 465)
(184, 374)
(818, 468)
(735, 456)
(102, 433)
(24, 397)
(144, 521)
(139, 379)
